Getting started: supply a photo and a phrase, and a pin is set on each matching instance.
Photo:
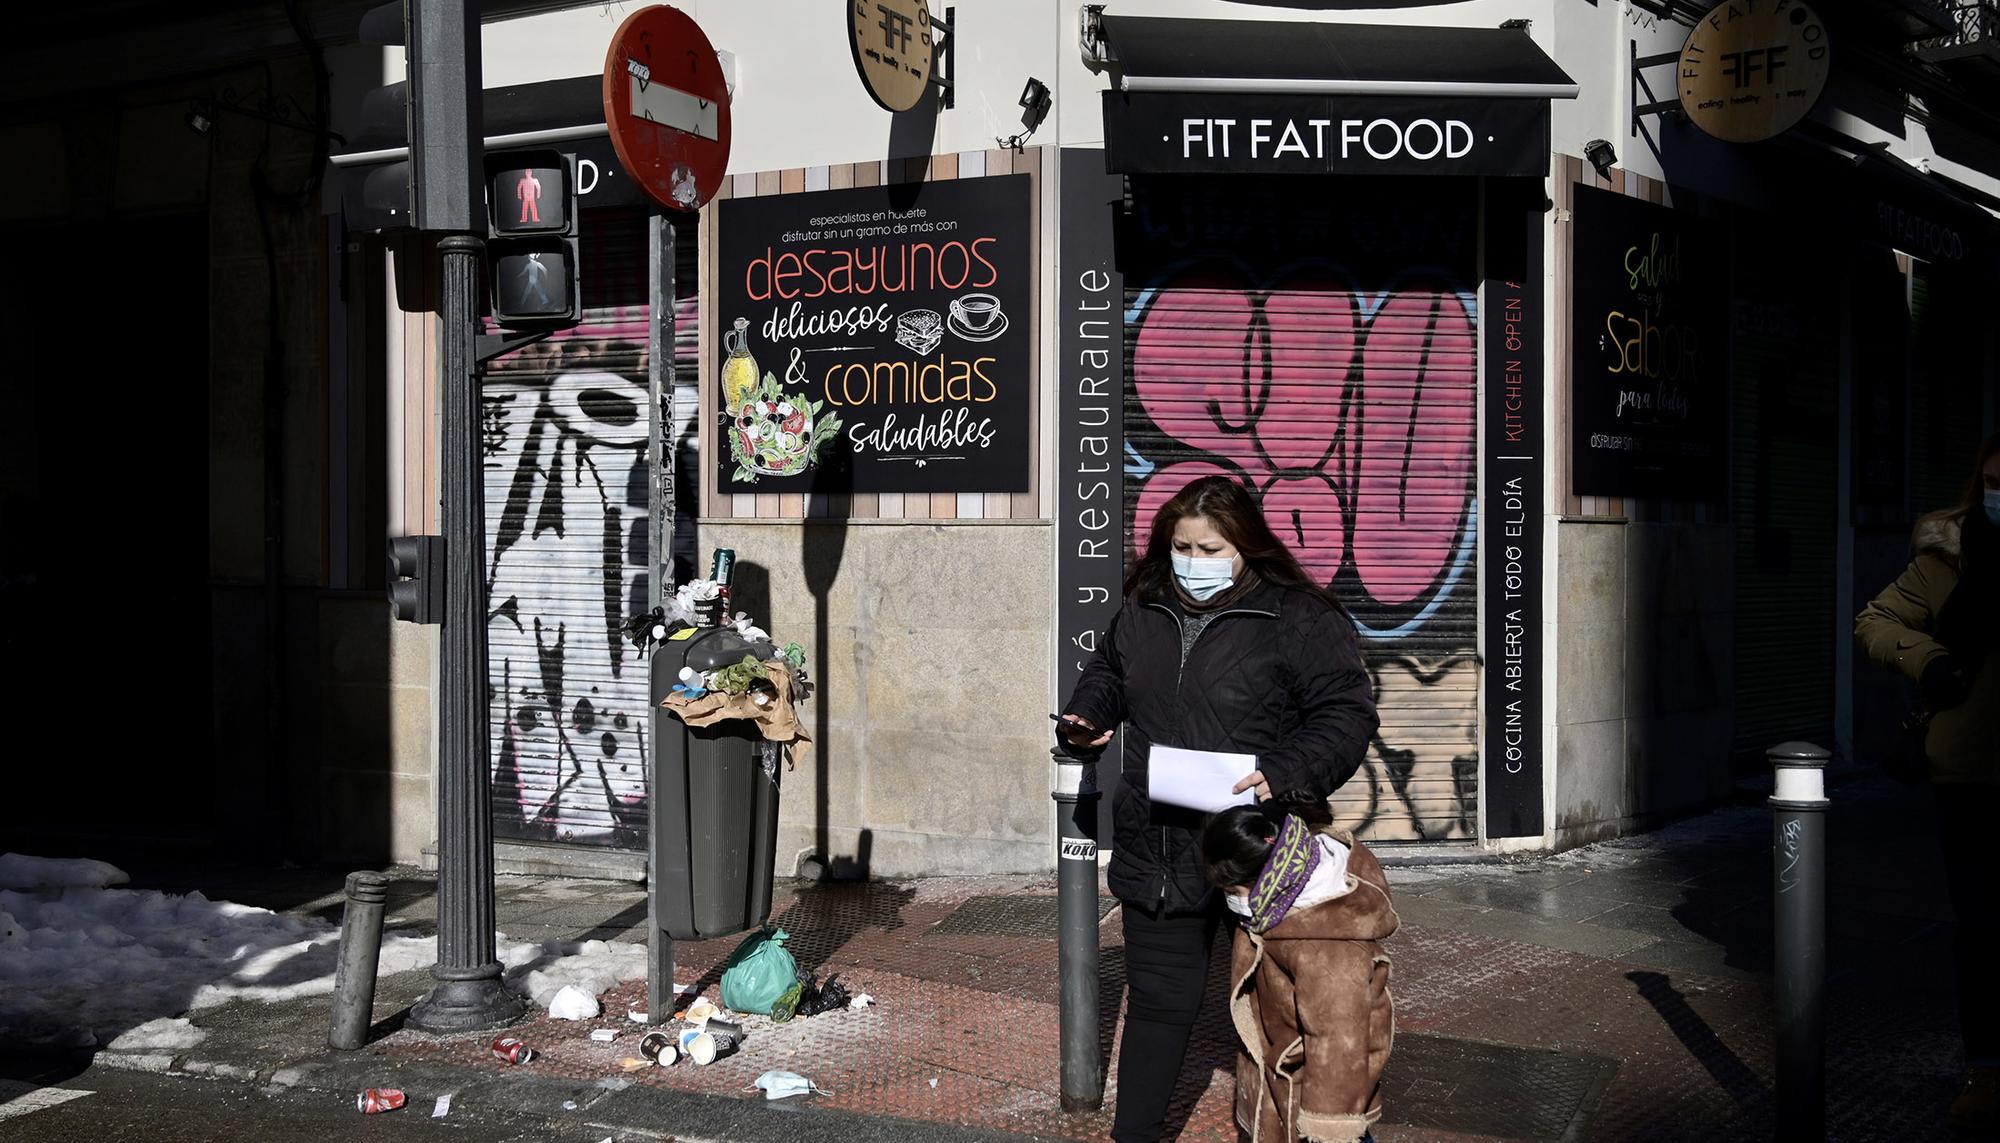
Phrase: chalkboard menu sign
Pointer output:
(1649, 376)
(875, 339)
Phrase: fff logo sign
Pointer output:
(1745, 66)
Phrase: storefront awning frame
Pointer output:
(1275, 57)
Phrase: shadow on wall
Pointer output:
(824, 547)
(911, 134)
(1678, 669)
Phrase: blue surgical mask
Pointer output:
(779, 1085)
(1993, 506)
(1201, 577)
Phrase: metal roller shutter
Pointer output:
(1336, 375)
(1783, 497)
(1947, 365)
(566, 485)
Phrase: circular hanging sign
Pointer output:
(667, 106)
(1753, 68)
(891, 40)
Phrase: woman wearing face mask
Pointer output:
(1939, 624)
(1223, 644)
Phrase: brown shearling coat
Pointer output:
(1897, 630)
(1310, 1000)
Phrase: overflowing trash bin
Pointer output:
(715, 796)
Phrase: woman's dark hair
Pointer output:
(1237, 842)
(1971, 504)
(1227, 505)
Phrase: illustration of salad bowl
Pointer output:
(778, 434)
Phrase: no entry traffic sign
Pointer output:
(667, 106)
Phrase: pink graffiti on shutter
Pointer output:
(1416, 442)
(1339, 416)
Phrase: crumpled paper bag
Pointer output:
(777, 720)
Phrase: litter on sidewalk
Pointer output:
(784, 1085)
(573, 1003)
(379, 1099)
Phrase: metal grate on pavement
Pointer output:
(1490, 1089)
(998, 916)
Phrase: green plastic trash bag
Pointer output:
(761, 977)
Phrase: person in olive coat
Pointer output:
(1939, 625)
(1223, 643)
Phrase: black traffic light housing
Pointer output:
(416, 578)
(437, 110)
(534, 276)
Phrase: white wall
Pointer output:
(799, 102)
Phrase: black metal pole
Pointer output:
(661, 446)
(469, 993)
(1076, 934)
(360, 952)
(1798, 894)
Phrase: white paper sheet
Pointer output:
(1198, 779)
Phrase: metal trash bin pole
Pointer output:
(1798, 900)
(1076, 798)
(360, 951)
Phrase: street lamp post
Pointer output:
(469, 993)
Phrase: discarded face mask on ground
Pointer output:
(784, 1085)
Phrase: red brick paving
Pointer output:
(964, 1028)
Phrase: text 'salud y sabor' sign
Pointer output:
(1649, 375)
(875, 339)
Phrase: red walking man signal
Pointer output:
(529, 191)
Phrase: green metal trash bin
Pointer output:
(715, 802)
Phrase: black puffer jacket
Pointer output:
(1277, 674)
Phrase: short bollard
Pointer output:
(1076, 934)
(1798, 898)
(360, 949)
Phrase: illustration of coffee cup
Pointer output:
(976, 312)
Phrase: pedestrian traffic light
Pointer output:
(416, 578)
(531, 243)
(436, 110)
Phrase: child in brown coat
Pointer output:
(1309, 984)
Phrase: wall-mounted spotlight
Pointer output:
(1035, 101)
(1601, 156)
(205, 110)
(200, 117)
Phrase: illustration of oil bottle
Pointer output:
(739, 371)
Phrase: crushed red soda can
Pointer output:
(512, 1050)
(379, 1099)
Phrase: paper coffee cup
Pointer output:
(699, 1046)
(728, 1037)
(659, 1048)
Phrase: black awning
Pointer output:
(1922, 215)
(1304, 58)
